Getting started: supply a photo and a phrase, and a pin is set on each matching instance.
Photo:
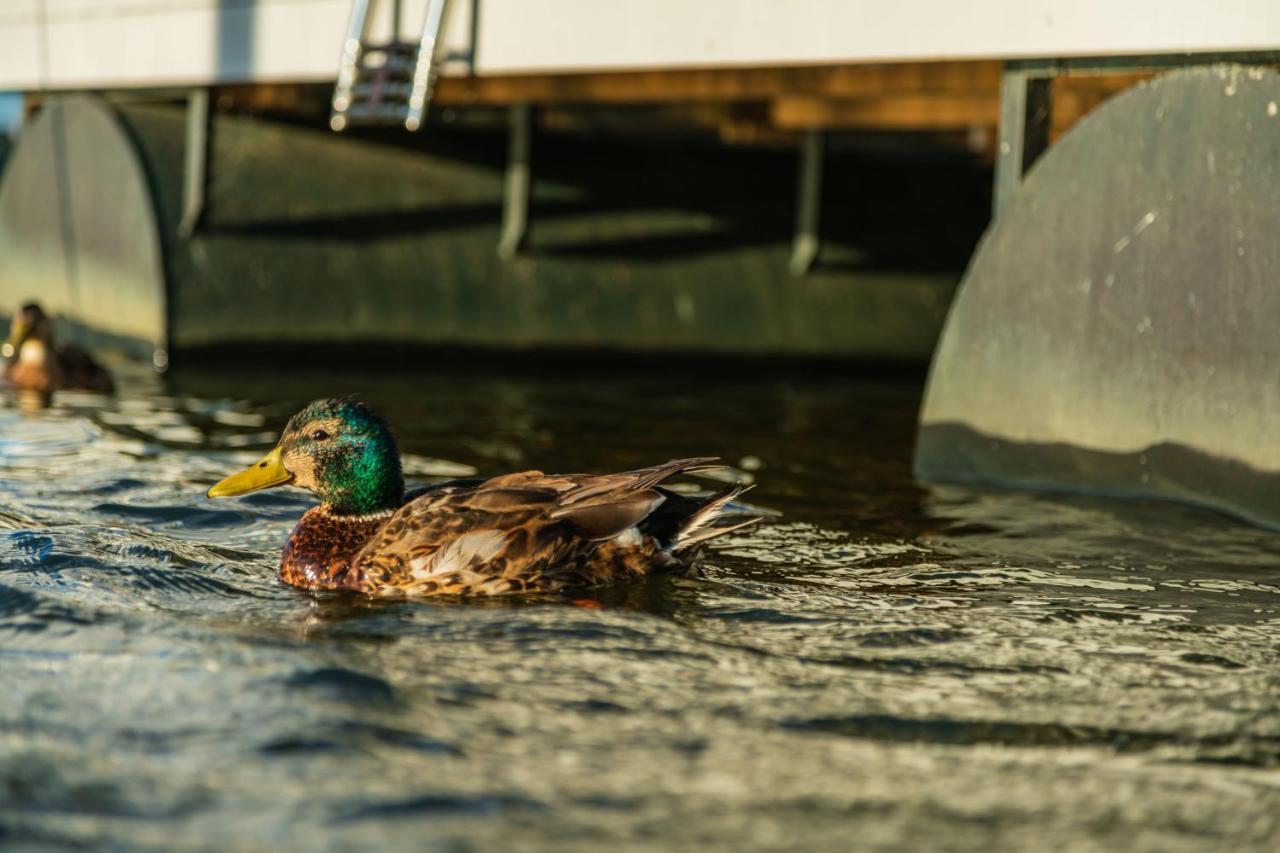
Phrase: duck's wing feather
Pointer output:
(454, 485)
(80, 370)
(527, 530)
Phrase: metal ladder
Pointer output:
(387, 83)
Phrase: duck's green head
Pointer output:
(338, 449)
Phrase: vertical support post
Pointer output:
(195, 178)
(806, 244)
(1025, 101)
(515, 196)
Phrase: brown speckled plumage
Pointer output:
(522, 532)
(319, 552)
(525, 532)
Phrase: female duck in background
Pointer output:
(37, 365)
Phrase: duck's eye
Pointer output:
(319, 435)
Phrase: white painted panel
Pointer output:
(19, 40)
(19, 64)
(166, 42)
(101, 43)
(13, 11)
(518, 35)
(114, 43)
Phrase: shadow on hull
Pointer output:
(955, 453)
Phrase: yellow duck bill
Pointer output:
(17, 335)
(267, 472)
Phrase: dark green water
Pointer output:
(881, 665)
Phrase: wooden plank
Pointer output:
(940, 110)
(754, 106)
(722, 84)
(921, 111)
(1075, 96)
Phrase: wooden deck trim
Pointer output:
(924, 111)
(723, 84)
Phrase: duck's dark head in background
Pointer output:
(29, 323)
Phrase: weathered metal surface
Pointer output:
(1025, 112)
(1116, 331)
(78, 230)
(312, 238)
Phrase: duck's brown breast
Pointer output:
(33, 376)
(321, 550)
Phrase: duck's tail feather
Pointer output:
(712, 519)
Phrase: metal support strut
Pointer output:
(195, 178)
(1025, 100)
(515, 196)
(805, 246)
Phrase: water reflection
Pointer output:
(877, 661)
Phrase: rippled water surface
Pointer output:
(879, 665)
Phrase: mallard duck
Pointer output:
(38, 365)
(522, 532)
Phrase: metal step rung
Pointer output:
(397, 85)
(382, 91)
(394, 70)
(405, 48)
(376, 114)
